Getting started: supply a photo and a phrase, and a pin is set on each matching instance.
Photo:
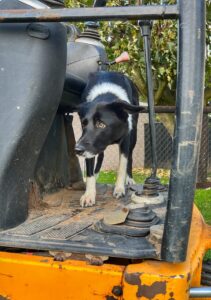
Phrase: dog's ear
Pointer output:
(78, 107)
(127, 107)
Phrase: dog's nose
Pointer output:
(79, 150)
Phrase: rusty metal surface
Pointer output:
(58, 222)
(90, 14)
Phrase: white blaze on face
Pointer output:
(88, 154)
(108, 87)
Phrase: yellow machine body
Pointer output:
(30, 277)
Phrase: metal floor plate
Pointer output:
(64, 226)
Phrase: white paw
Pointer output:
(88, 199)
(130, 180)
(119, 191)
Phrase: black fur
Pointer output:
(105, 120)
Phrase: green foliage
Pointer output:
(207, 255)
(77, 3)
(122, 36)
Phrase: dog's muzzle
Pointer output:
(79, 149)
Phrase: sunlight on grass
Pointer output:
(207, 255)
(139, 175)
(107, 177)
(203, 202)
(202, 196)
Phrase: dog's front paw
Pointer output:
(88, 199)
(119, 191)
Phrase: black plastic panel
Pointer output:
(32, 72)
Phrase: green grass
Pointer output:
(139, 175)
(203, 202)
(107, 177)
(207, 255)
(202, 196)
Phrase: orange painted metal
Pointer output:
(161, 280)
(29, 277)
(26, 277)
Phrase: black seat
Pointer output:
(83, 58)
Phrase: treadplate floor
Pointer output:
(61, 224)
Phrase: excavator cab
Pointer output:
(116, 249)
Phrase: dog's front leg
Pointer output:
(119, 190)
(88, 198)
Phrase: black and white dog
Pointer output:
(109, 115)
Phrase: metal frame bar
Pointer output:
(90, 14)
(146, 33)
(189, 111)
(171, 109)
(200, 292)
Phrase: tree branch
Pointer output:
(168, 121)
(140, 82)
(161, 87)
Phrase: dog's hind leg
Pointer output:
(88, 198)
(133, 138)
(119, 190)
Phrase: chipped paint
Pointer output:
(147, 291)
(188, 277)
(171, 296)
(150, 291)
(133, 278)
(44, 260)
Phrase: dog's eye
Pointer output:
(100, 124)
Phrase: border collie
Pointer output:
(109, 115)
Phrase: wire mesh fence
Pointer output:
(163, 146)
(164, 142)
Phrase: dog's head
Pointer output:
(103, 123)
